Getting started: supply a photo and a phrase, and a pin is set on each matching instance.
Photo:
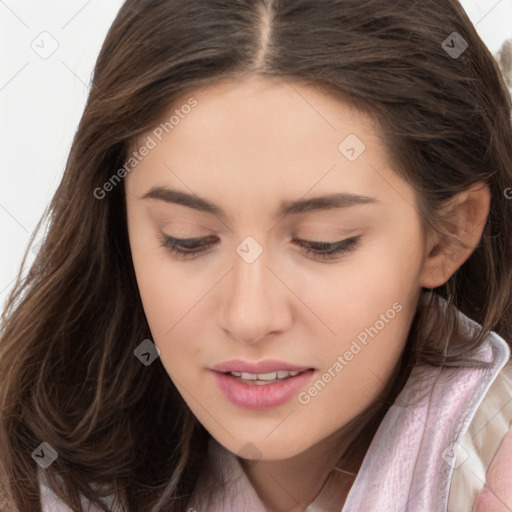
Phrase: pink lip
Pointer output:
(265, 366)
(264, 396)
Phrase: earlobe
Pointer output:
(464, 218)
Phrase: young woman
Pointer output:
(278, 270)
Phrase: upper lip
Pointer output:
(265, 366)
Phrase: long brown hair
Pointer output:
(68, 375)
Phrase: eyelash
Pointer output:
(174, 245)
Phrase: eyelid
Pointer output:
(188, 241)
(172, 245)
(335, 249)
(332, 250)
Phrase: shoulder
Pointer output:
(51, 503)
(486, 449)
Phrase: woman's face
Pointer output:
(248, 163)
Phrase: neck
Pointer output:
(312, 479)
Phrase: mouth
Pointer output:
(262, 390)
(260, 379)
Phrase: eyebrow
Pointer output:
(326, 202)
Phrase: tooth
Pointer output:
(267, 376)
(280, 374)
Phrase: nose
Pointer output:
(254, 301)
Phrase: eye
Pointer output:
(184, 247)
(326, 250)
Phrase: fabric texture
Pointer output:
(430, 453)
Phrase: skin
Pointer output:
(247, 146)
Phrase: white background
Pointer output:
(41, 101)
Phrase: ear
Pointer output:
(464, 216)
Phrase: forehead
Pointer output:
(246, 140)
(272, 104)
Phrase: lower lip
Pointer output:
(260, 396)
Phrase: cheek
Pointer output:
(170, 305)
(358, 362)
(169, 301)
(352, 294)
(368, 302)
(166, 292)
